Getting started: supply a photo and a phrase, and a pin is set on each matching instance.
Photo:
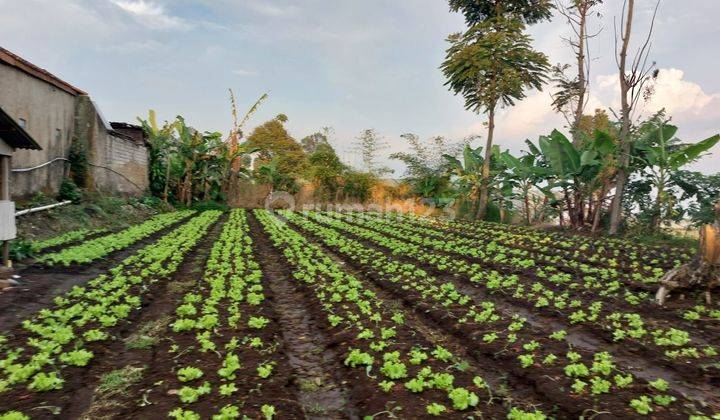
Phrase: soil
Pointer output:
(699, 387)
(320, 392)
(310, 379)
(80, 382)
(39, 284)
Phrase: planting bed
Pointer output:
(258, 314)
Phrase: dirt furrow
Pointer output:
(514, 390)
(690, 385)
(40, 284)
(78, 397)
(322, 395)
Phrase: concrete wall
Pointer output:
(49, 113)
(121, 164)
(54, 117)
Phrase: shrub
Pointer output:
(69, 191)
(210, 205)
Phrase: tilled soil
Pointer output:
(321, 393)
(39, 284)
(76, 396)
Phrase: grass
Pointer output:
(148, 335)
(95, 211)
(112, 384)
(118, 381)
(665, 239)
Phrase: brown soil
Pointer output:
(639, 363)
(80, 382)
(321, 393)
(40, 284)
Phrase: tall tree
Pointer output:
(369, 144)
(237, 152)
(426, 169)
(490, 65)
(572, 94)
(633, 77)
(274, 143)
(528, 11)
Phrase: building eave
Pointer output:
(14, 60)
(14, 135)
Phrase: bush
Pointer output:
(20, 249)
(69, 191)
(210, 205)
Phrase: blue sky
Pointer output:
(347, 64)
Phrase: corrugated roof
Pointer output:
(14, 135)
(20, 63)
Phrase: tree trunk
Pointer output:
(701, 273)
(624, 158)
(485, 180)
(582, 82)
(186, 187)
(657, 212)
(527, 204)
(598, 208)
(167, 179)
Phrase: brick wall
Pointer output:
(120, 164)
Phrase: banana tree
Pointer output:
(468, 174)
(469, 178)
(270, 173)
(237, 153)
(578, 170)
(528, 173)
(162, 145)
(663, 155)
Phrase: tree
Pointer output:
(528, 11)
(527, 172)
(162, 146)
(238, 153)
(426, 169)
(701, 273)
(571, 96)
(663, 155)
(632, 81)
(369, 143)
(491, 65)
(358, 185)
(313, 141)
(271, 174)
(578, 170)
(325, 171)
(274, 143)
(698, 192)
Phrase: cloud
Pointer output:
(679, 96)
(151, 14)
(131, 47)
(244, 72)
(264, 8)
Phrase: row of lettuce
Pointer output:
(68, 334)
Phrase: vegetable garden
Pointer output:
(319, 314)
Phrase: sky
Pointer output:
(345, 64)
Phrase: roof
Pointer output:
(31, 69)
(135, 132)
(14, 135)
